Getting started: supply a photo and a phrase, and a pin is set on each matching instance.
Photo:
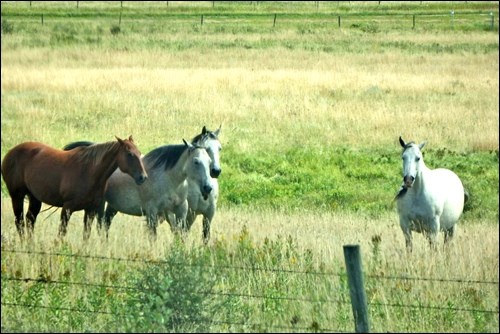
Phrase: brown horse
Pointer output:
(74, 180)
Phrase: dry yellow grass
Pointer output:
(355, 100)
(262, 98)
(473, 254)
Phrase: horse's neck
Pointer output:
(178, 172)
(105, 165)
(422, 176)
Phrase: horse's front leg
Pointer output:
(152, 221)
(190, 218)
(208, 215)
(405, 227)
(180, 216)
(87, 223)
(108, 217)
(100, 216)
(206, 229)
(65, 215)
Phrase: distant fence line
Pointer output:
(354, 272)
(490, 22)
(454, 18)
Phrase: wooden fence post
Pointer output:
(356, 288)
(274, 21)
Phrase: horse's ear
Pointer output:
(204, 130)
(130, 138)
(421, 145)
(119, 140)
(402, 142)
(216, 132)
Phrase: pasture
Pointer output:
(310, 116)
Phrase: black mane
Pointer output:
(166, 156)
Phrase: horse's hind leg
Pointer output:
(33, 211)
(18, 207)
(449, 233)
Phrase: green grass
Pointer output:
(334, 179)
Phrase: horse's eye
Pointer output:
(417, 159)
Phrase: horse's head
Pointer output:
(210, 140)
(130, 162)
(198, 168)
(412, 161)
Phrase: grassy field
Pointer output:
(311, 114)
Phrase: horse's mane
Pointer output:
(166, 156)
(94, 153)
(402, 191)
(76, 144)
(202, 137)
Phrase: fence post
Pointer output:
(356, 288)
(413, 21)
(274, 21)
(339, 21)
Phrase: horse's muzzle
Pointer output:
(408, 181)
(215, 172)
(141, 179)
(205, 191)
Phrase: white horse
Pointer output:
(198, 203)
(429, 201)
(168, 167)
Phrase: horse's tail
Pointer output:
(76, 144)
(466, 195)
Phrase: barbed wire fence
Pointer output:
(360, 312)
